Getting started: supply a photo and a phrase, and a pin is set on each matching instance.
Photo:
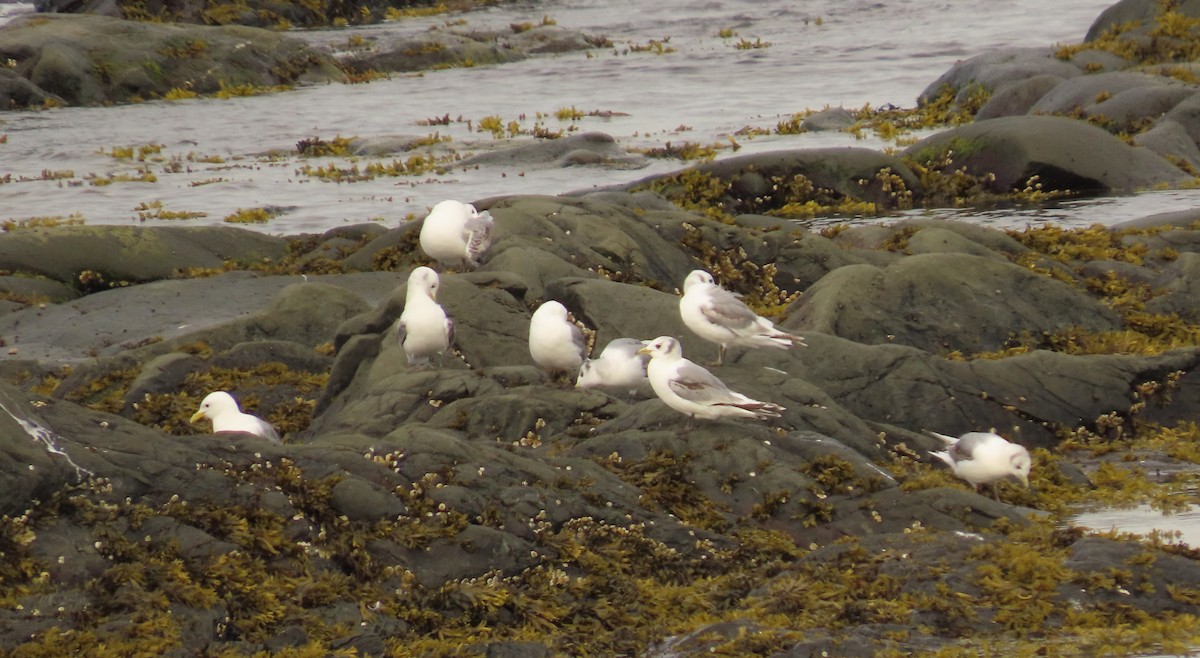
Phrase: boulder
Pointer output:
(1017, 96)
(988, 72)
(86, 59)
(1063, 154)
(930, 301)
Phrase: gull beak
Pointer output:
(1024, 479)
(644, 350)
(197, 416)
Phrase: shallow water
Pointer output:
(822, 53)
(1181, 527)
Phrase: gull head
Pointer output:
(552, 310)
(1019, 463)
(217, 403)
(424, 279)
(698, 277)
(663, 346)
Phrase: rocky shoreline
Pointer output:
(482, 508)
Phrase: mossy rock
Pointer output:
(92, 258)
(95, 60)
(910, 302)
(1056, 153)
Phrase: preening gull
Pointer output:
(223, 411)
(621, 365)
(984, 458)
(555, 343)
(690, 389)
(719, 316)
(424, 329)
(456, 234)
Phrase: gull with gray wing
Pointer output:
(721, 317)
(226, 416)
(423, 330)
(692, 390)
(984, 458)
(455, 234)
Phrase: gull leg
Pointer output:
(720, 354)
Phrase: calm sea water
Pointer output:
(821, 53)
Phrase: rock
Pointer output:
(759, 183)
(1062, 154)
(1016, 97)
(92, 59)
(1149, 590)
(113, 255)
(35, 290)
(1143, 12)
(590, 148)
(834, 118)
(1121, 100)
(989, 71)
(17, 92)
(1170, 140)
(910, 302)
(1187, 114)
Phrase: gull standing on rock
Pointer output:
(984, 458)
(720, 317)
(456, 234)
(223, 411)
(690, 389)
(424, 329)
(621, 365)
(555, 343)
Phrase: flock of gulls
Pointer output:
(457, 235)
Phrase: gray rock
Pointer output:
(590, 148)
(1017, 96)
(17, 92)
(89, 59)
(834, 118)
(1170, 140)
(926, 301)
(1187, 114)
(989, 71)
(130, 254)
(1142, 11)
(1063, 154)
(29, 289)
(760, 183)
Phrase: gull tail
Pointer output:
(948, 440)
(944, 456)
(758, 408)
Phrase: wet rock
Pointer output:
(1017, 96)
(909, 302)
(1150, 589)
(17, 92)
(582, 149)
(91, 59)
(1171, 140)
(1120, 99)
(758, 183)
(112, 254)
(989, 71)
(1141, 11)
(834, 118)
(1063, 154)
(35, 290)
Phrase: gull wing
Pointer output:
(969, 444)
(478, 235)
(267, 431)
(724, 309)
(695, 384)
